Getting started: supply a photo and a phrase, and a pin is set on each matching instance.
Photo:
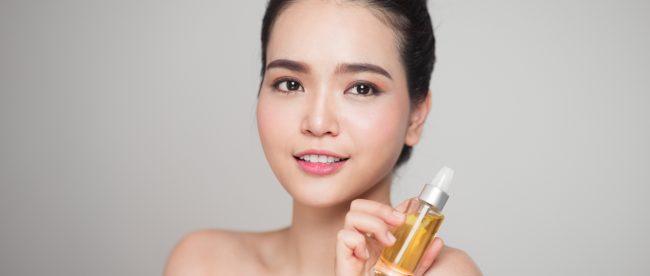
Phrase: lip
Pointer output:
(320, 169)
(320, 152)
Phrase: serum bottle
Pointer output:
(423, 218)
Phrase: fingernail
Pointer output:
(366, 254)
(398, 215)
(391, 238)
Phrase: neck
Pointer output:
(311, 238)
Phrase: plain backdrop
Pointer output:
(126, 124)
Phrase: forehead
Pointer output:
(330, 32)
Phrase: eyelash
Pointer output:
(374, 91)
(276, 85)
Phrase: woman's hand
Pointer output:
(367, 230)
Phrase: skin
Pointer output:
(311, 98)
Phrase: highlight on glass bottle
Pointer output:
(423, 218)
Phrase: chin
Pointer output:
(324, 193)
(320, 200)
(331, 190)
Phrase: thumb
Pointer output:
(430, 254)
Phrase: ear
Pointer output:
(416, 121)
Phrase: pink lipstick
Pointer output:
(320, 162)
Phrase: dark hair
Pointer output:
(412, 25)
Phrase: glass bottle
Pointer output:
(423, 218)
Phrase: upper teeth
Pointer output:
(320, 158)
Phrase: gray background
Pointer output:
(126, 124)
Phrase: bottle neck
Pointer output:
(427, 207)
(434, 196)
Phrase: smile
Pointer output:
(319, 159)
(320, 163)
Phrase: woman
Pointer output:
(343, 98)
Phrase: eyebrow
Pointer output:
(341, 68)
(288, 64)
(362, 67)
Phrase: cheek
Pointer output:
(270, 127)
(278, 121)
(380, 129)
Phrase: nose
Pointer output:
(320, 116)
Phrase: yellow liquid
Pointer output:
(406, 262)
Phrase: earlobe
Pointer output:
(417, 119)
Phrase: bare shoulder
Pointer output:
(453, 261)
(200, 252)
(212, 252)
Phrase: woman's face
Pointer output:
(334, 89)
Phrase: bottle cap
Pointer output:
(437, 192)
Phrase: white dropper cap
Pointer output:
(437, 192)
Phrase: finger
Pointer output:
(383, 211)
(430, 255)
(350, 253)
(367, 223)
(355, 243)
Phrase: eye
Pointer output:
(288, 85)
(363, 89)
